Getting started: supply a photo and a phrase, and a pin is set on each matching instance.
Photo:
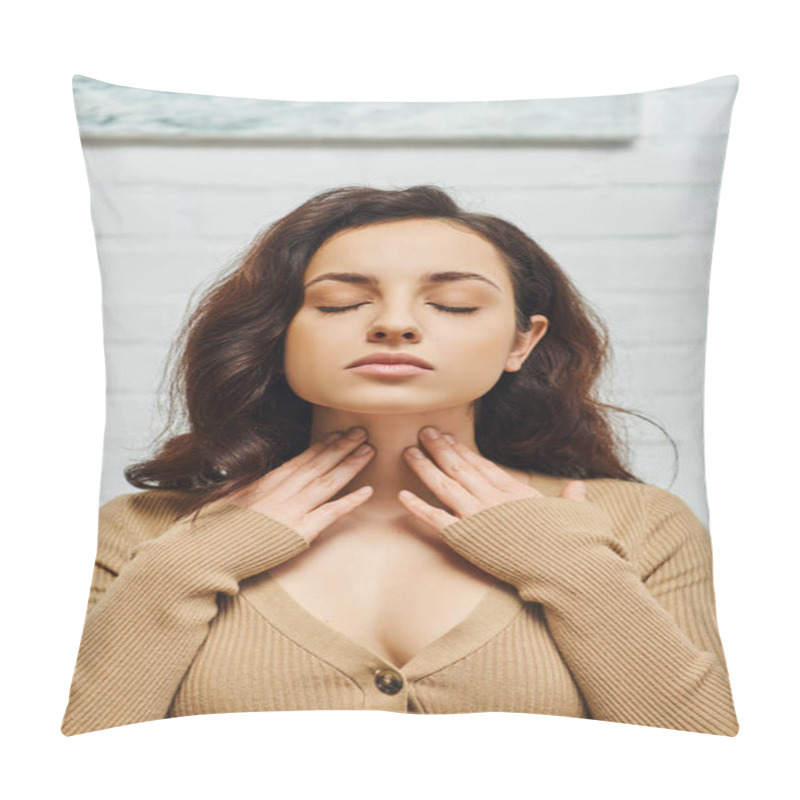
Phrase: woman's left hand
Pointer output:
(465, 481)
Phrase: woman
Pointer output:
(397, 491)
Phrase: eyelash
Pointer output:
(451, 309)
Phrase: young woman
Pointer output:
(397, 491)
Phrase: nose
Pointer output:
(388, 333)
(393, 328)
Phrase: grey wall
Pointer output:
(621, 191)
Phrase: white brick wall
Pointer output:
(632, 224)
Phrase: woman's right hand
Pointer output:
(292, 493)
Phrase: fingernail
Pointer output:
(331, 437)
(431, 433)
(356, 433)
(449, 438)
(415, 452)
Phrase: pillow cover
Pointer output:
(223, 608)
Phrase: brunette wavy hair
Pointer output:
(227, 385)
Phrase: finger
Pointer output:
(496, 476)
(451, 461)
(574, 490)
(322, 488)
(449, 491)
(276, 476)
(320, 463)
(436, 517)
(313, 523)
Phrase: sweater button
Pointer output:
(388, 681)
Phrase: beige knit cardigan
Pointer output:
(602, 609)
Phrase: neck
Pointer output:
(387, 471)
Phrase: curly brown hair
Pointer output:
(243, 419)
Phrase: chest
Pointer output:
(393, 591)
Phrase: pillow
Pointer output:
(554, 558)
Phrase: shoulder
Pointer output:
(129, 520)
(651, 503)
(628, 501)
(663, 524)
(650, 521)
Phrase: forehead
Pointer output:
(409, 249)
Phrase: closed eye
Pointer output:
(449, 309)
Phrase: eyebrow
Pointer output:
(431, 277)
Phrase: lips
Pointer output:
(391, 358)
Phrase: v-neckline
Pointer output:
(493, 612)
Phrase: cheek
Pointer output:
(305, 347)
(474, 362)
(486, 347)
(308, 363)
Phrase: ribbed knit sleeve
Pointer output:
(643, 648)
(149, 615)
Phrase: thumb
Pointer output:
(574, 490)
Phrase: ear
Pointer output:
(525, 342)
